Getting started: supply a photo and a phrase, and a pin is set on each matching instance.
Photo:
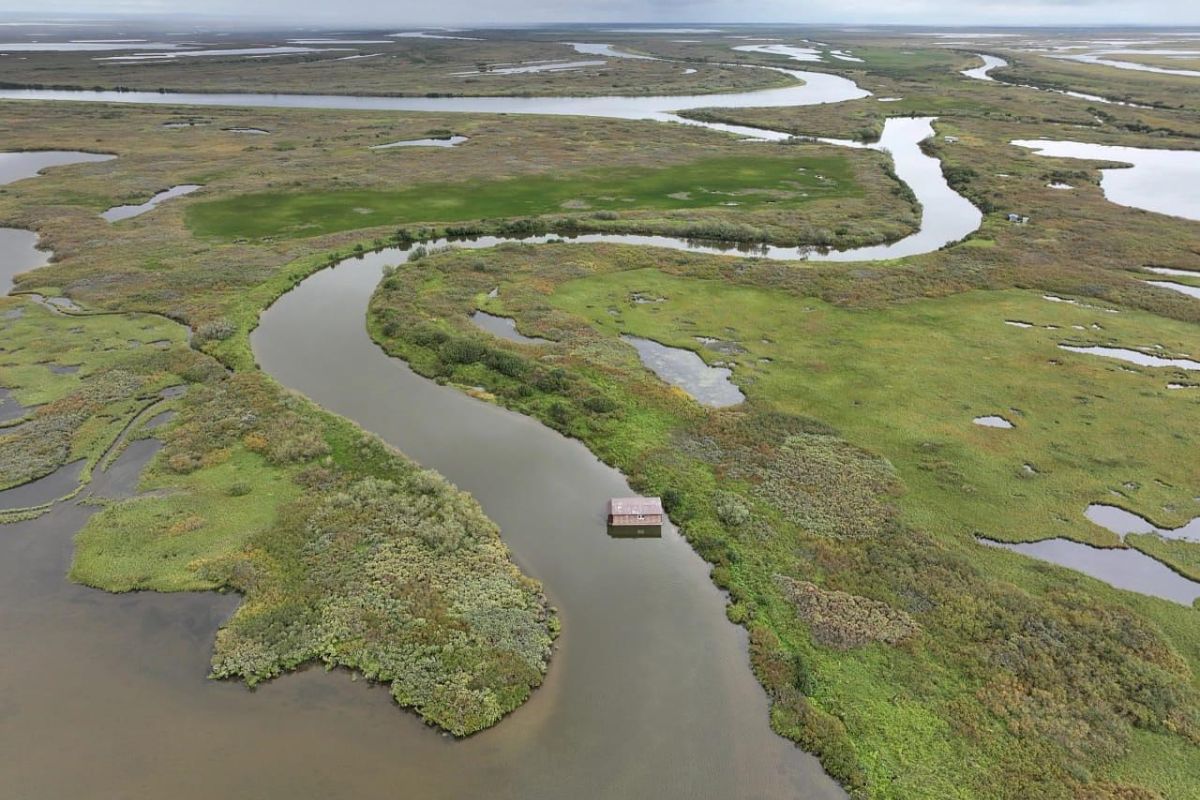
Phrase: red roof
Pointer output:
(635, 506)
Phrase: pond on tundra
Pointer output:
(504, 327)
(1163, 181)
(1122, 568)
(649, 673)
(18, 248)
(118, 213)
(710, 385)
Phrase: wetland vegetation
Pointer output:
(839, 503)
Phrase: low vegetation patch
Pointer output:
(841, 620)
(744, 182)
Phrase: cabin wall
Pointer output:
(633, 519)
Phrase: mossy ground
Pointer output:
(746, 182)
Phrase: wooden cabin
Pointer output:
(635, 512)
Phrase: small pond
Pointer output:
(1122, 568)
(1163, 181)
(504, 327)
(433, 141)
(18, 248)
(992, 421)
(710, 386)
(117, 213)
(1133, 356)
(1182, 288)
(10, 409)
(1122, 522)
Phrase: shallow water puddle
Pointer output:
(18, 248)
(710, 386)
(1133, 356)
(1179, 273)
(1182, 288)
(10, 409)
(59, 483)
(1122, 522)
(504, 327)
(117, 213)
(521, 69)
(437, 141)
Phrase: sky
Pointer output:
(409, 13)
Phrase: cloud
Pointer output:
(410, 13)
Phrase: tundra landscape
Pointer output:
(323, 350)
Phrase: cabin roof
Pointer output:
(622, 506)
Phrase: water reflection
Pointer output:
(1163, 181)
(711, 386)
(1122, 523)
(1122, 568)
(117, 213)
(649, 675)
(504, 327)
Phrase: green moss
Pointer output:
(748, 181)
(160, 541)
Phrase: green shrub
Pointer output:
(731, 511)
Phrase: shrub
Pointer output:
(554, 380)
(216, 330)
(506, 363)
(731, 511)
(462, 351)
(598, 404)
(841, 620)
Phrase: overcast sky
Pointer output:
(401, 13)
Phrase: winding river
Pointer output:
(649, 695)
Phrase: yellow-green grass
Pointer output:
(157, 541)
(123, 362)
(743, 181)
(908, 380)
(1165, 762)
(39, 338)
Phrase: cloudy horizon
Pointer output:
(515, 13)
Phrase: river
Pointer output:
(650, 693)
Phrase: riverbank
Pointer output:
(771, 496)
